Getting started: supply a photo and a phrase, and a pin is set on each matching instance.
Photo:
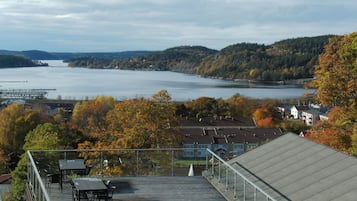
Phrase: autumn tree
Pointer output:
(142, 123)
(4, 162)
(89, 117)
(15, 123)
(138, 123)
(207, 106)
(263, 117)
(335, 132)
(240, 106)
(336, 81)
(336, 74)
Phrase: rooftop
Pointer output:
(217, 122)
(141, 174)
(165, 188)
(294, 168)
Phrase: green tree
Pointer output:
(46, 136)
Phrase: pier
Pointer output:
(24, 93)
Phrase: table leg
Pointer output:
(61, 179)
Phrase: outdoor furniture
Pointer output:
(89, 186)
(52, 178)
(70, 165)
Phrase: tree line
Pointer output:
(7, 61)
(281, 61)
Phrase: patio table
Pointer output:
(70, 165)
(84, 185)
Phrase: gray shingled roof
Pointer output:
(294, 168)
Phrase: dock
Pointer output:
(24, 93)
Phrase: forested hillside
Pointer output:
(181, 59)
(43, 55)
(7, 61)
(283, 60)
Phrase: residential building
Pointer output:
(310, 117)
(296, 111)
(224, 136)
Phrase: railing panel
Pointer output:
(240, 187)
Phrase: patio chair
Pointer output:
(52, 178)
(105, 196)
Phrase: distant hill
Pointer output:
(288, 59)
(43, 55)
(31, 54)
(9, 61)
(181, 59)
(283, 60)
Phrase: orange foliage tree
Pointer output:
(263, 117)
(336, 81)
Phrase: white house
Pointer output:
(296, 111)
(310, 117)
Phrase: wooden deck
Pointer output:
(168, 188)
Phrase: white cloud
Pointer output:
(160, 24)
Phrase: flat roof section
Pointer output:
(299, 169)
(152, 188)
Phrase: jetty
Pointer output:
(24, 93)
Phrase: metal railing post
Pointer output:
(172, 163)
(219, 171)
(235, 186)
(244, 186)
(101, 163)
(226, 178)
(137, 162)
(212, 159)
(255, 194)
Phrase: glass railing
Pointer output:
(231, 183)
(35, 185)
(112, 163)
(144, 162)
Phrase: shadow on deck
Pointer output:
(152, 189)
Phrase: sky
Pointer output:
(127, 25)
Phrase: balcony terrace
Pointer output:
(141, 174)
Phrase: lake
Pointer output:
(83, 83)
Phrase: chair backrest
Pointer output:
(54, 178)
(107, 183)
(111, 191)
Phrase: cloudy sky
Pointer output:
(120, 25)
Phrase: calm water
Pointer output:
(82, 83)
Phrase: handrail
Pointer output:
(97, 150)
(37, 176)
(38, 188)
(241, 175)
